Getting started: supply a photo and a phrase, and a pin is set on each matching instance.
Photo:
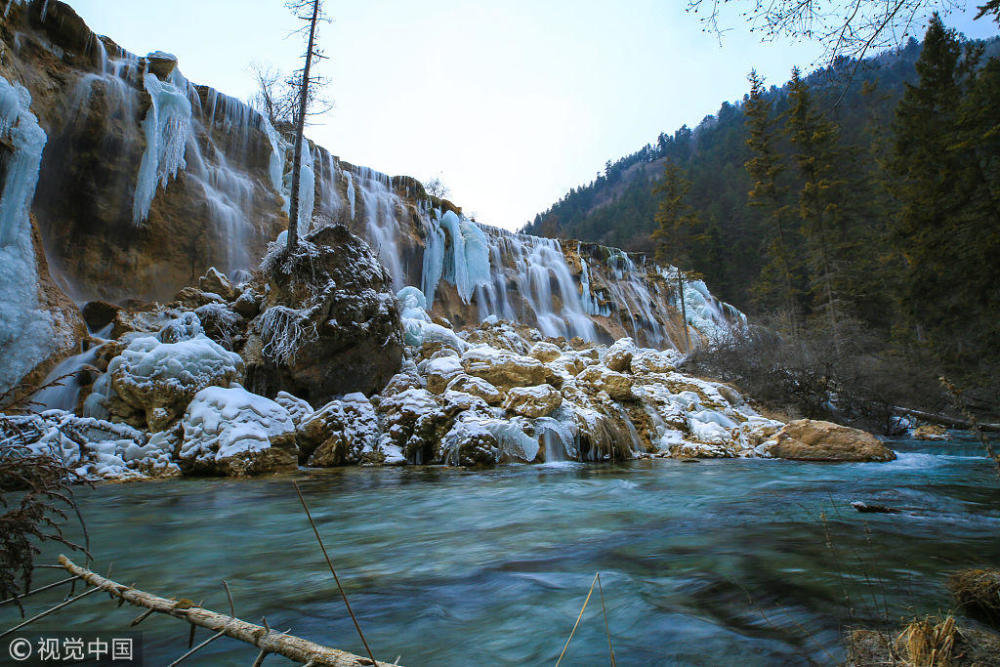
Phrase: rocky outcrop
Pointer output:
(343, 431)
(329, 324)
(810, 440)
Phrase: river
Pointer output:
(701, 563)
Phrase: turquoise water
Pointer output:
(702, 563)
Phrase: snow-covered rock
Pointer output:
(230, 431)
(151, 382)
(477, 387)
(534, 402)
(502, 368)
(601, 378)
(619, 356)
(343, 431)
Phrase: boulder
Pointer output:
(229, 431)
(469, 443)
(298, 409)
(619, 356)
(440, 372)
(221, 324)
(534, 402)
(343, 431)
(329, 325)
(502, 368)
(192, 297)
(477, 387)
(930, 432)
(544, 351)
(811, 440)
(599, 377)
(215, 282)
(151, 382)
(161, 64)
(654, 361)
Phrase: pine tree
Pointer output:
(816, 156)
(678, 230)
(775, 283)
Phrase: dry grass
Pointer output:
(928, 642)
(924, 643)
(977, 593)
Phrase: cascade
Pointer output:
(25, 330)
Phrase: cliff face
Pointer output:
(146, 180)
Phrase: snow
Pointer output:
(222, 422)
(188, 362)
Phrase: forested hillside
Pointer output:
(859, 203)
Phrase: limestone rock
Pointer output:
(330, 323)
(811, 440)
(298, 409)
(215, 282)
(192, 297)
(545, 352)
(221, 324)
(654, 361)
(930, 432)
(534, 402)
(469, 443)
(441, 371)
(230, 431)
(161, 64)
(503, 369)
(619, 356)
(343, 431)
(601, 378)
(477, 387)
(150, 383)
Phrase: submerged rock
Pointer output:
(811, 440)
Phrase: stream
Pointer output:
(756, 561)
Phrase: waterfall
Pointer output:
(26, 331)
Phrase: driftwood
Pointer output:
(944, 420)
(267, 640)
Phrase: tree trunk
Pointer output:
(684, 313)
(300, 125)
(269, 641)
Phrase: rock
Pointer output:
(330, 323)
(534, 402)
(398, 415)
(298, 409)
(930, 432)
(216, 283)
(248, 303)
(601, 378)
(161, 64)
(654, 361)
(221, 324)
(619, 356)
(95, 449)
(872, 508)
(150, 383)
(476, 387)
(977, 593)
(191, 297)
(545, 352)
(810, 440)
(503, 369)
(99, 314)
(343, 431)
(229, 431)
(441, 371)
(469, 443)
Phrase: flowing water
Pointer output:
(701, 563)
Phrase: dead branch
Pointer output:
(294, 648)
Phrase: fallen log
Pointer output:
(944, 420)
(267, 640)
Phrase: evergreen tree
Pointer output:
(775, 285)
(678, 229)
(814, 139)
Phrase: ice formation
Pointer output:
(26, 330)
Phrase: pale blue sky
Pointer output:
(511, 103)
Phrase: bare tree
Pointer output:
(845, 27)
(276, 97)
(436, 188)
(311, 13)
